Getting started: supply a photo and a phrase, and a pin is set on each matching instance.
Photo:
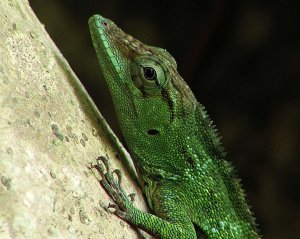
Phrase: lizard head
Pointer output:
(148, 93)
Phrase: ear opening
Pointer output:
(152, 132)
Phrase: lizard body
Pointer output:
(191, 189)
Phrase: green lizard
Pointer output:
(191, 189)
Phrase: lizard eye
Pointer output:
(147, 74)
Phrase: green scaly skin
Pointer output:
(192, 191)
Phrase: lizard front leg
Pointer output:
(177, 226)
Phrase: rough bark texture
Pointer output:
(49, 133)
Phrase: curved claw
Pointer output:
(117, 211)
(114, 206)
(105, 162)
(132, 196)
(99, 167)
(119, 176)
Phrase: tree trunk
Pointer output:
(50, 133)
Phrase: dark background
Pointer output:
(241, 59)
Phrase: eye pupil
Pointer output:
(149, 73)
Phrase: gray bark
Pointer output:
(50, 134)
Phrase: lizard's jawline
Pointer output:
(100, 41)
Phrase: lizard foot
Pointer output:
(111, 182)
